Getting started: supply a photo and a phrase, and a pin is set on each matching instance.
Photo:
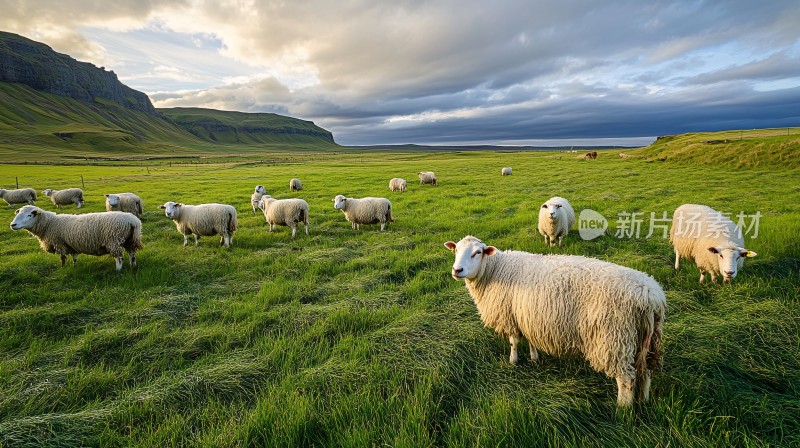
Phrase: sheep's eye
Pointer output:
(720, 255)
(558, 206)
(476, 253)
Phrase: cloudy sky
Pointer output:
(448, 72)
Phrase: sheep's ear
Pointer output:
(178, 205)
(34, 213)
(713, 250)
(450, 245)
(162, 207)
(747, 253)
(489, 251)
(105, 195)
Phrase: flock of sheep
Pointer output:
(611, 315)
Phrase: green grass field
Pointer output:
(362, 338)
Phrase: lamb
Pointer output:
(611, 315)
(505, 171)
(20, 196)
(255, 198)
(124, 202)
(365, 210)
(91, 233)
(427, 177)
(65, 197)
(202, 220)
(295, 185)
(285, 212)
(556, 218)
(397, 184)
(714, 242)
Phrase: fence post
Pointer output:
(16, 179)
(82, 183)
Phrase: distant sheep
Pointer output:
(567, 305)
(556, 218)
(364, 210)
(505, 171)
(203, 220)
(397, 184)
(622, 155)
(285, 212)
(65, 197)
(90, 233)
(255, 198)
(427, 177)
(124, 202)
(21, 196)
(295, 185)
(712, 240)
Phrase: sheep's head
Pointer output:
(25, 217)
(339, 202)
(171, 209)
(470, 253)
(260, 189)
(112, 199)
(265, 201)
(550, 209)
(728, 257)
(47, 191)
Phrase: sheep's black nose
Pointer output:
(458, 271)
(729, 273)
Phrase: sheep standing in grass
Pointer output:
(285, 212)
(505, 171)
(21, 196)
(255, 198)
(364, 210)
(427, 177)
(397, 184)
(712, 240)
(295, 185)
(203, 220)
(556, 218)
(566, 305)
(90, 233)
(124, 202)
(65, 197)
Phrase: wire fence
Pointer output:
(743, 134)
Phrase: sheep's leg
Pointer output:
(74, 260)
(559, 240)
(383, 226)
(196, 242)
(514, 357)
(677, 259)
(713, 278)
(643, 385)
(534, 353)
(185, 240)
(63, 260)
(702, 276)
(79, 203)
(294, 230)
(132, 258)
(119, 259)
(306, 226)
(546, 240)
(625, 386)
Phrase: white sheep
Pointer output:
(202, 220)
(364, 210)
(21, 196)
(427, 177)
(568, 305)
(397, 184)
(285, 212)
(712, 240)
(91, 233)
(505, 171)
(124, 202)
(65, 197)
(295, 185)
(255, 198)
(556, 218)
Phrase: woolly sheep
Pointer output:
(255, 198)
(397, 184)
(364, 210)
(556, 218)
(427, 177)
(564, 305)
(124, 202)
(65, 197)
(505, 171)
(202, 220)
(285, 212)
(91, 233)
(295, 185)
(20, 196)
(714, 242)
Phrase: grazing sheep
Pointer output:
(565, 305)
(397, 184)
(65, 197)
(255, 198)
(556, 218)
(91, 233)
(622, 155)
(427, 177)
(505, 171)
(124, 202)
(295, 185)
(21, 196)
(711, 239)
(364, 210)
(202, 220)
(285, 212)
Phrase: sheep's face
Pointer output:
(260, 189)
(171, 209)
(47, 192)
(25, 217)
(729, 257)
(112, 199)
(263, 204)
(550, 210)
(339, 202)
(470, 253)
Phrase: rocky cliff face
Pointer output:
(36, 65)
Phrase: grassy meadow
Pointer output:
(362, 338)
